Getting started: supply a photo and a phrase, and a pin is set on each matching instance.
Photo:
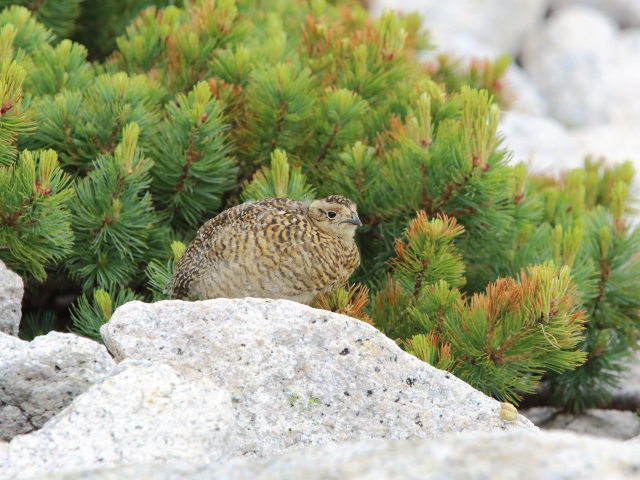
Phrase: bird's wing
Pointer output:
(205, 249)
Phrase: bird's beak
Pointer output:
(355, 220)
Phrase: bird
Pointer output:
(271, 248)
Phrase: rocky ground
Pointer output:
(181, 392)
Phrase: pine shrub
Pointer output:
(126, 124)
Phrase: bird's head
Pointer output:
(335, 215)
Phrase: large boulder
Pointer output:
(143, 413)
(41, 377)
(299, 375)
(570, 59)
(11, 291)
(469, 456)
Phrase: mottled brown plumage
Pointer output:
(271, 248)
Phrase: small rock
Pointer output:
(634, 440)
(614, 142)
(544, 144)
(623, 77)
(143, 413)
(11, 291)
(41, 377)
(627, 393)
(618, 424)
(569, 60)
(478, 19)
(625, 12)
(522, 93)
(475, 456)
(508, 412)
(291, 378)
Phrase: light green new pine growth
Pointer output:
(158, 273)
(359, 179)
(601, 179)
(519, 181)
(429, 348)
(392, 34)
(113, 217)
(14, 119)
(278, 180)
(61, 67)
(30, 34)
(233, 65)
(619, 195)
(428, 255)
(59, 16)
(177, 249)
(420, 124)
(125, 152)
(35, 226)
(177, 44)
(103, 301)
(480, 117)
(566, 244)
(90, 312)
(7, 35)
(275, 45)
(83, 124)
(143, 42)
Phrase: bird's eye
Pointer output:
(331, 214)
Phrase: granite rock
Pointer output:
(569, 59)
(470, 456)
(143, 413)
(41, 377)
(298, 375)
(11, 291)
(609, 423)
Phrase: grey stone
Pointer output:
(625, 12)
(634, 440)
(522, 94)
(470, 456)
(11, 291)
(615, 142)
(496, 23)
(618, 424)
(568, 59)
(623, 76)
(299, 375)
(544, 144)
(143, 413)
(41, 377)
(627, 393)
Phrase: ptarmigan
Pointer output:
(271, 248)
